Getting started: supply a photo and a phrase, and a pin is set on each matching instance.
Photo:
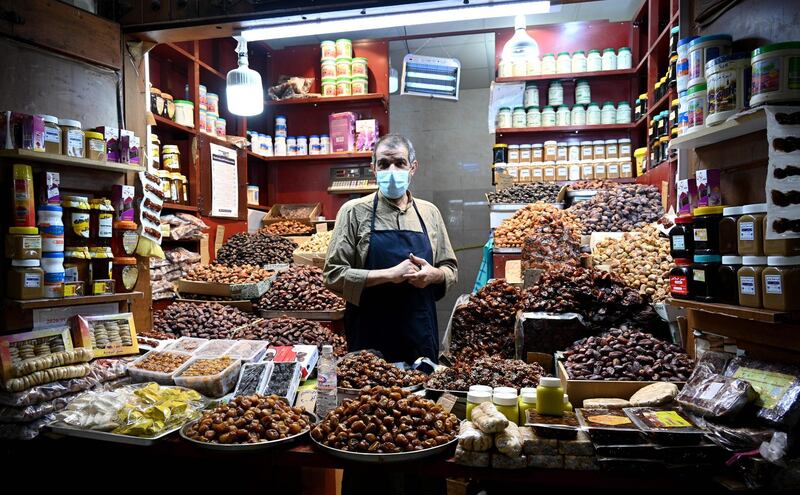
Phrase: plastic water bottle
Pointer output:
(326, 382)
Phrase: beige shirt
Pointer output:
(344, 271)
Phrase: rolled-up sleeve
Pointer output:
(445, 257)
(339, 273)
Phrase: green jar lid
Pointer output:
(343, 40)
(563, 53)
(343, 79)
(504, 108)
(788, 45)
(593, 104)
(608, 50)
(624, 49)
(608, 103)
(676, 29)
(359, 59)
(548, 55)
(184, 102)
(697, 88)
(344, 59)
(583, 81)
(594, 50)
(328, 80)
(521, 109)
(579, 51)
(638, 101)
(532, 107)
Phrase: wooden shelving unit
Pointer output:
(662, 104)
(68, 161)
(605, 74)
(72, 301)
(567, 128)
(170, 125)
(177, 207)
(314, 101)
(366, 155)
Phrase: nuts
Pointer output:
(222, 274)
(485, 325)
(207, 367)
(627, 355)
(533, 219)
(641, 259)
(318, 243)
(621, 209)
(249, 419)
(206, 320)
(300, 288)
(291, 331)
(364, 369)
(491, 371)
(259, 249)
(546, 192)
(386, 420)
(162, 362)
(287, 227)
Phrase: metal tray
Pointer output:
(247, 447)
(507, 250)
(386, 458)
(105, 436)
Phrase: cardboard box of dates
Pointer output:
(236, 291)
(302, 212)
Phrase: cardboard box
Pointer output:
(306, 355)
(310, 259)
(243, 304)
(111, 135)
(35, 336)
(275, 213)
(236, 291)
(579, 390)
(366, 134)
(687, 196)
(708, 187)
(49, 183)
(342, 130)
(83, 326)
(122, 198)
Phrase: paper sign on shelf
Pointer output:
(224, 182)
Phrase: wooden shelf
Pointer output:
(165, 123)
(360, 155)
(68, 161)
(73, 301)
(659, 105)
(755, 314)
(183, 241)
(641, 121)
(265, 209)
(362, 190)
(567, 128)
(377, 97)
(177, 207)
(660, 39)
(739, 125)
(211, 70)
(578, 75)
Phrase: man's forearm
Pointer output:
(379, 277)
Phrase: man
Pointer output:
(391, 259)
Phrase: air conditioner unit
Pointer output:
(430, 76)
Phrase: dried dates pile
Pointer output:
(364, 369)
(491, 371)
(300, 288)
(291, 331)
(259, 249)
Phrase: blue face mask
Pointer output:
(393, 183)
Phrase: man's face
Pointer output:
(393, 158)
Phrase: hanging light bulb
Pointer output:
(244, 91)
(521, 49)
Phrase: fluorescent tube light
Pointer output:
(411, 18)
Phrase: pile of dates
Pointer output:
(290, 331)
(205, 320)
(386, 421)
(491, 371)
(258, 249)
(546, 192)
(593, 185)
(485, 325)
(627, 355)
(621, 209)
(364, 369)
(300, 288)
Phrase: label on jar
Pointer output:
(537, 173)
(129, 241)
(747, 286)
(613, 171)
(746, 231)
(32, 281)
(80, 224)
(766, 75)
(627, 169)
(678, 284)
(773, 284)
(701, 235)
(525, 175)
(54, 278)
(587, 153)
(562, 154)
(75, 143)
(588, 171)
(97, 145)
(678, 243)
(31, 243)
(52, 135)
(105, 224)
(699, 275)
(536, 153)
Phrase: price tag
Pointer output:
(447, 401)
(322, 227)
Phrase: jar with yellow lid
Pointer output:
(76, 264)
(781, 283)
(550, 397)
(171, 158)
(77, 213)
(52, 135)
(101, 222)
(527, 400)
(95, 145)
(23, 243)
(507, 405)
(475, 398)
(166, 184)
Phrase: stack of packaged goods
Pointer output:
(342, 74)
(164, 273)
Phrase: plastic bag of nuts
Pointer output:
(533, 219)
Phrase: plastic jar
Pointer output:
(579, 63)
(781, 283)
(507, 405)
(583, 93)
(598, 150)
(697, 108)
(100, 263)
(52, 135)
(705, 274)
(328, 68)
(624, 58)
(548, 117)
(550, 151)
(343, 86)
(612, 149)
(555, 94)
(166, 186)
(751, 230)
(703, 49)
(170, 158)
(344, 48)
(776, 72)
(587, 170)
(574, 152)
(623, 115)
(325, 144)
(358, 67)
(637, 109)
(291, 146)
(727, 86)
(328, 87)
(518, 117)
(78, 212)
(587, 150)
(574, 171)
(72, 138)
(76, 264)
(125, 274)
(314, 147)
(280, 126)
(24, 243)
(550, 397)
(548, 64)
(513, 153)
(729, 231)
(53, 268)
(750, 279)
(25, 280)
(527, 401)
(682, 67)
(302, 145)
(220, 127)
(531, 96)
(212, 103)
(625, 149)
(477, 397)
(563, 116)
(211, 123)
(563, 63)
(359, 85)
(500, 153)
(600, 170)
(328, 49)
(729, 280)
(562, 151)
(184, 113)
(533, 67)
(609, 113)
(525, 153)
(609, 59)
(706, 229)
(533, 117)
(504, 118)
(126, 238)
(679, 277)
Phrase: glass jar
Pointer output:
(23, 243)
(533, 67)
(507, 405)
(126, 238)
(500, 153)
(609, 59)
(751, 230)
(548, 64)
(750, 279)
(170, 158)
(681, 239)
(563, 63)
(562, 151)
(623, 115)
(728, 231)
(579, 63)
(548, 117)
(593, 114)
(574, 171)
(513, 153)
(563, 116)
(625, 149)
(95, 146)
(125, 274)
(600, 170)
(537, 153)
(25, 280)
(663, 145)
(550, 397)
(729, 280)
(518, 117)
(555, 94)
(578, 115)
(781, 283)
(175, 186)
(100, 263)
(476, 397)
(101, 222)
(525, 153)
(587, 150)
(77, 212)
(533, 117)
(612, 149)
(594, 61)
(583, 93)
(679, 277)
(705, 274)
(550, 151)
(706, 229)
(531, 96)
(166, 184)
(609, 114)
(599, 149)
(184, 188)
(504, 119)
(76, 264)
(587, 170)
(637, 109)
(624, 58)
(537, 172)
(52, 135)
(574, 152)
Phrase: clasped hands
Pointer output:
(417, 272)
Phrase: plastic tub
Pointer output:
(289, 376)
(682, 67)
(703, 49)
(776, 72)
(139, 375)
(728, 86)
(210, 385)
(184, 113)
(214, 348)
(697, 108)
(186, 345)
(248, 350)
(253, 378)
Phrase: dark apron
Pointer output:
(399, 320)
